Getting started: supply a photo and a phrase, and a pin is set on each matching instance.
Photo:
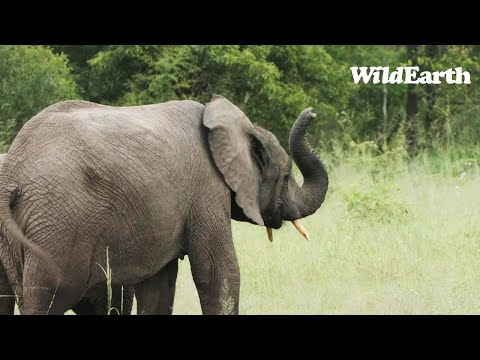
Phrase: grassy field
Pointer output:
(389, 239)
(406, 244)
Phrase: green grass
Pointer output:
(391, 238)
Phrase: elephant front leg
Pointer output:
(214, 265)
(155, 295)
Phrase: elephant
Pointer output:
(93, 303)
(84, 185)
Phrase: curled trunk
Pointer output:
(310, 196)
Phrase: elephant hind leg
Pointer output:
(155, 296)
(44, 299)
(96, 302)
(40, 296)
(85, 307)
(7, 297)
(121, 303)
(7, 304)
(127, 303)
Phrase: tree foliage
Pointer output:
(31, 78)
(272, 84)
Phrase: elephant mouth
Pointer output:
(273, 222)
(274, 219)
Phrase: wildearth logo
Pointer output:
(408, 75)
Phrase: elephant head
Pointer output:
(259, 171)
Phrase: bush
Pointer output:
(374, 204)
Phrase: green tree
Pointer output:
(78, 56)
(31, 78)
(271, 83)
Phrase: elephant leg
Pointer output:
(122, 300)
(214, 263)
(127, 304)
(41, 298)
(96, 302)
(41, 295)
(155, 296)
(86, 307)
(7, 297)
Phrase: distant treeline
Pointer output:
(272, 84)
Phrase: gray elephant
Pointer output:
(93, 303)
(149, 184)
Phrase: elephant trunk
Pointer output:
(310, 196)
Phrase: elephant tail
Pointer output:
(10, 228)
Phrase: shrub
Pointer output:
(374, 204)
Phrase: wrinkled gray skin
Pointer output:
(150, 183)
(94, 303)
(7, 297)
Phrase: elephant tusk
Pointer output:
(301, 229)
(270, 234)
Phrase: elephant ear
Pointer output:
(235, 150)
